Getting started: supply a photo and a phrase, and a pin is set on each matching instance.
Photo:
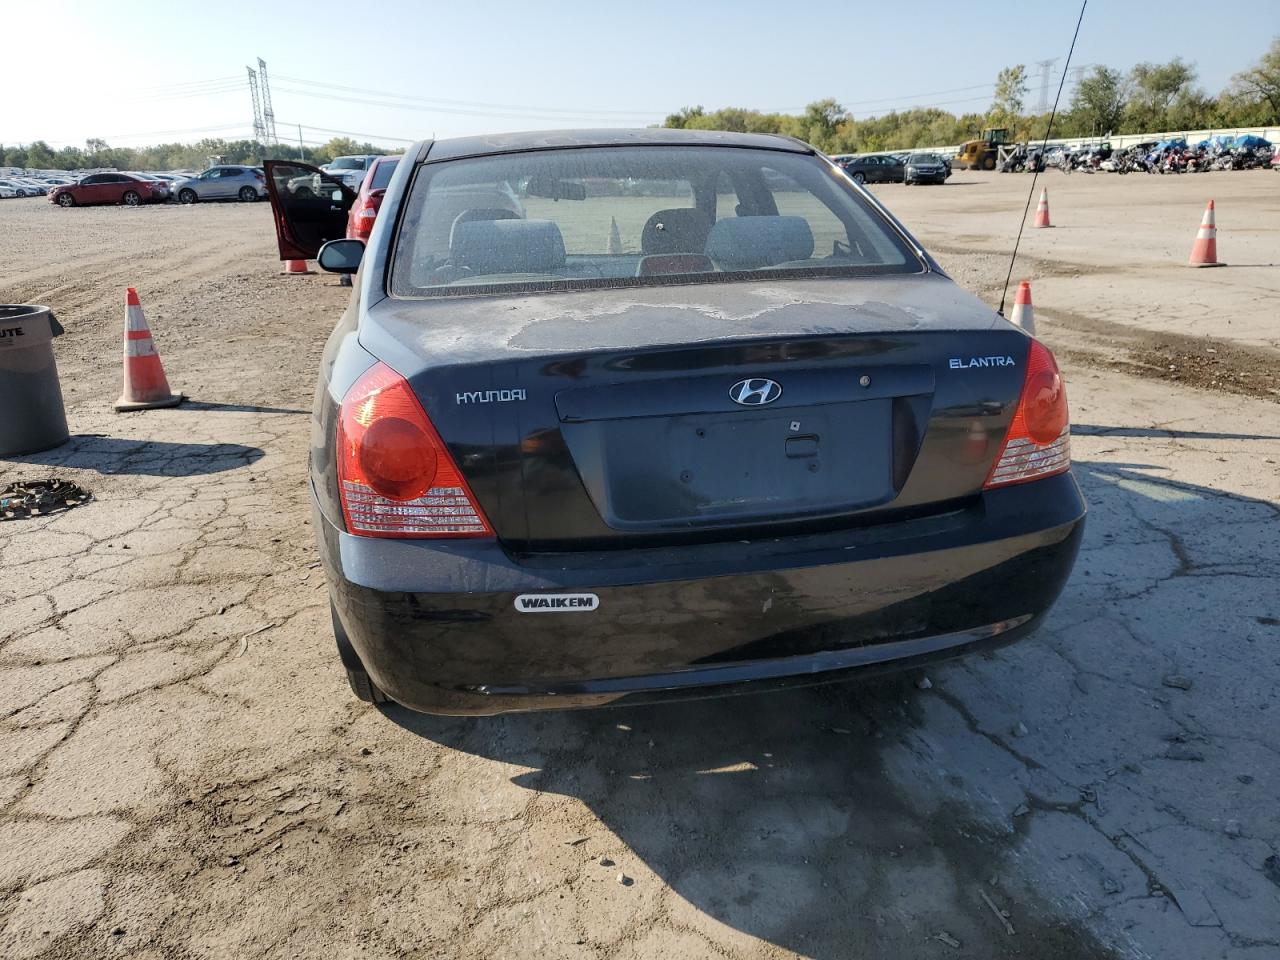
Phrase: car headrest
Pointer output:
(678, 230)
(508, 246)
(749, 243)
(481, 213)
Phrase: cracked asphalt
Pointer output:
(184, 773)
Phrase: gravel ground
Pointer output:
(183, 772)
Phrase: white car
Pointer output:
(19, 188)
(7, 192)
(350, 170)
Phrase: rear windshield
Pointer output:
(382, 174)
(349, 163)
(925, 158)
(622, 216)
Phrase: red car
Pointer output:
(364, 211)
(126, 188)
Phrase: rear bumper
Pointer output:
(437, 628)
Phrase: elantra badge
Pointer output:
(755, 392)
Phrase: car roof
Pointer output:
(458, 147)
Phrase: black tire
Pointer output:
(364, 688)
(989, 163)
(187, 195)
(66, 200)
(248, 195)
(361, 684)
(304, 193)
(131, 198)
(859, 177)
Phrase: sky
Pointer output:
(393, 71)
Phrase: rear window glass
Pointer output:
(591, 217)
(382, 174)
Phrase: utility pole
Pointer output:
(259, 131)
(1045, 66)
(302, 153)
(268, 114)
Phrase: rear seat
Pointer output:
(750, 243)
(508, 246)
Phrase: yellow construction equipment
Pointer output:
(981, 154)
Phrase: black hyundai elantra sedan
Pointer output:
(623, 415)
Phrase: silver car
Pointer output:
(225, 182)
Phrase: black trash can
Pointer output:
(32, 417)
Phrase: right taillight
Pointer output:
(1038, 443)
(395, 475)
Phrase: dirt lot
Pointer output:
(183, 772)
(1109, 275)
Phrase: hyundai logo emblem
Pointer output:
(755, 392)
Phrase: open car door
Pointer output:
(310, 207)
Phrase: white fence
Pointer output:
(1118, 141)
(1121, 140)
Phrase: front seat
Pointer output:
(678, 230)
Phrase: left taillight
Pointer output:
(1038, 443)
(395, 475)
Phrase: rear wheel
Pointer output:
(187, 196)
(66, 200)
(859, 178)
(361, 684)
(989, 163)
(131, 198)
(248, 194)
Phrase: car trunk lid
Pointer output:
(722, 411)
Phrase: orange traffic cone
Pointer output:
(145, 385)
(1042, 210)
(296, 266)
(1024, 314)
(1204, 252)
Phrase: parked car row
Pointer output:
(223, 182)
(905, 168)
(28, 186)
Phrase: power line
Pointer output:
(415, 108)
(237, 87)
(433, 101)
(157, 133)
(348, 133)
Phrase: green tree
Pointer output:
(680, 119)
(1154, 88)
(821, 118)
(40, 156)
(1261, 82)
(1098, 106)
(1011, 90)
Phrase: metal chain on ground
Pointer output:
(35, 498)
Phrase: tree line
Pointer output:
(1151, 97)
(96, 154)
